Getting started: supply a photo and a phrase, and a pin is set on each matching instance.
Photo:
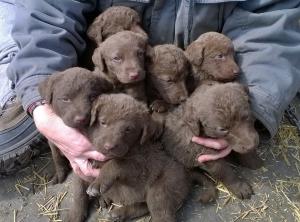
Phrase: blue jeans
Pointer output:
(8, 48)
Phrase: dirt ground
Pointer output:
(28, 196)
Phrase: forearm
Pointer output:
(50, 37)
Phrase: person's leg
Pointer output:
(18, 135)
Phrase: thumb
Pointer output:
(95, 155)
(211, 157)
(87, 169)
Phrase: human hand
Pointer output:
(218, 144)
(75, 146)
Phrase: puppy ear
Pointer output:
(195, 53)
(94, 112)
(152, 129)
(98, 60)
(137, 29)
(246, 89)
(150, 55)
(46, 88)
(191, 120)
(94, 32)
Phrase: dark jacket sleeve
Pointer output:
(49, 34)
(266, 38)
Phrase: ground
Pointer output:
(28, 196)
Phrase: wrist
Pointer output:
(34, 105)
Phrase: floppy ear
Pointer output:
(94, 32)
(46, 88)
(150, 55)
(191, 119)
(195, 53)
(139, 30)
(246, 89)
(98, 60)
(94, 112)
(152, 129)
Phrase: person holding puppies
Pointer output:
(264, 35)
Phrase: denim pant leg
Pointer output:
(8, 48)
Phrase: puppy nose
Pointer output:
(80, 119)
(134, 75)
(108, 146)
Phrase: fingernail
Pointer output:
(195, 139)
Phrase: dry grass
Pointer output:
(35, 181)
(51, 207)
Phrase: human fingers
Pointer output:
(87, 168)
(210, 157)
(217, 144)
(94, 155)
(78, 172)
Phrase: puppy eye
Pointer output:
(169, 80)
(92, 97)
(128, 129)
(140, 54)
(103, 122)
(66, 100)
(220, 57)
(117, 59)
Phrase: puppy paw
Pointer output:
(59, 177)
(207, 195)
(105, 186)
(241, 189)
(159, 106)
(255, 162)
(103, 202)
(117, 215)
(93, 190)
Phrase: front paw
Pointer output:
(208, 195)
(241, 189)
(94, 189)
(116, 215)
(159, 106)
(59, 177)
(251, 161)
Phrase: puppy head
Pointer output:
(122, 57)
(71, 93)
(119, 122)
(223, 111)
(114, 19)
(168, 67)
(212, 54)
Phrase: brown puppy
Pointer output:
(167, 69)
(212, 57)
(215, 110)
(141, 177)
(70, 94)
(114, 19)
(223, 122)
(121, 58)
